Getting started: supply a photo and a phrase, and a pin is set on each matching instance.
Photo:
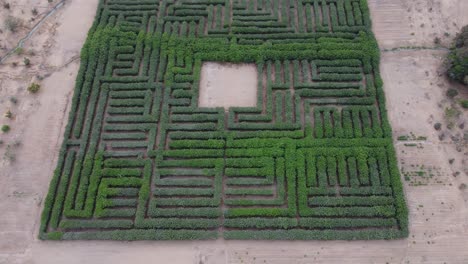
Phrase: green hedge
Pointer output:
(312, 160)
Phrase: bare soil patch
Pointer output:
(227, 85)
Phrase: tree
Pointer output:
(458, 58)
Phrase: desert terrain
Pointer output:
(433, 163)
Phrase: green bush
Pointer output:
(27, 62)
(451, 93)
(12, 23)
(5, 128)
(464, 104)
(458, 58)
(34, 88)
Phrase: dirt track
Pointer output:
(415, 101)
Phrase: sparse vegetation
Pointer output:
(19, 50)
(16, 143)
(458, 58)
(8, 114)
(402, 138)
(10, 151)
(464, 103)
(437, 126)
(27, 62)
(451, 113)
(6, 5)
(13, 100)
(9, 154)
(34, 88)
(451, 93)
(412, 136)
(34, 12)
(12, 23)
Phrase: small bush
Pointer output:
(451, 112)
(451, 93)
(437, 126)
(13, 100)
(34, 12)
(6, 5)
(8, 114)
(12, 23)
(16, 143)
(19, 50)
(34, 88)
(27, 62)
(450, 115)
(9, 154)
(464, 104)
(5, 128)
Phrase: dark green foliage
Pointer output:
(27, 62)
(5, 128)
(451, 93)
(34, 88)
(458, 58)
(12, 23)
(464, 104)
(313, 160)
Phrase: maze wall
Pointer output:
(313, 160)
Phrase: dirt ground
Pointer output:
(416, 101)
(228, 85)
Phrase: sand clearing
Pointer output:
(415, 97)
(227, 85)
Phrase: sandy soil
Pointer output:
(416, 101)
(227, 85)
(24, 14)
(404, 23)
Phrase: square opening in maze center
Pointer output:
(228, 85)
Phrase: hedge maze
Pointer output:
(313, 160)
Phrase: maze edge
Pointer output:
(314, 160)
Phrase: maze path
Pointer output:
(313, 160)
